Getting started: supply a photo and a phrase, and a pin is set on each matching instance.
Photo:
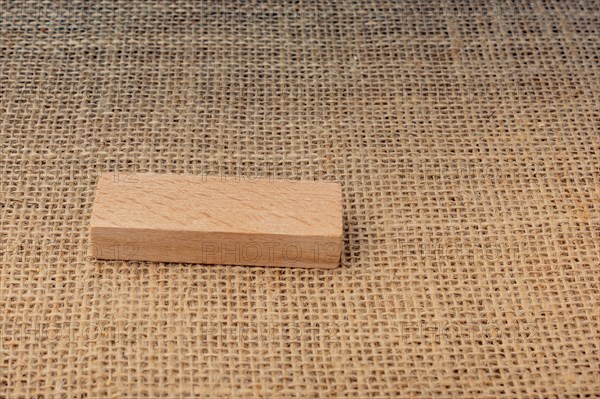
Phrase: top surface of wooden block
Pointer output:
(218, 204)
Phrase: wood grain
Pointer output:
(217, 220)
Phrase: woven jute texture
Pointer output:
(466, 139)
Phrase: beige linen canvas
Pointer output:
(466, 140)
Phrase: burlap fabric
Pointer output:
(466, 139)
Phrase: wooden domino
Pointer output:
(217, 220)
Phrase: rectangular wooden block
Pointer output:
(217, 220)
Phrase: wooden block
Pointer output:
(217, 220)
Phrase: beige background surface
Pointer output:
(466, 139)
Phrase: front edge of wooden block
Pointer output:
(216, 248)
